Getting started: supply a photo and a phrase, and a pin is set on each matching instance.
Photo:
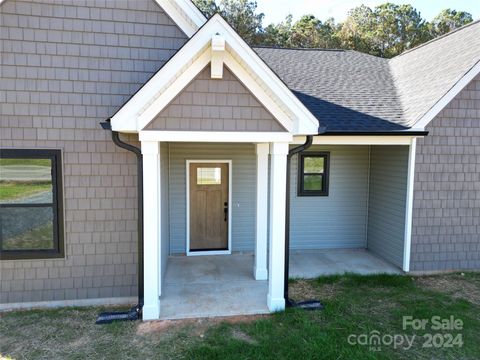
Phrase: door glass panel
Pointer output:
(25, 181)
(209, 176)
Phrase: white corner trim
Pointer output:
(184, 13)
(187, 192)
(445, 100)
(409, 205)
(214, 136)
(66, 303)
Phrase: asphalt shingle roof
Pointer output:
(351, 91)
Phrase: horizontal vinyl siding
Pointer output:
(243, 190)
(339, 219)
(388, 186)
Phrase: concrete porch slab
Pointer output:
(314, 263)
(206, 286)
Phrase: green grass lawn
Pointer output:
(354, 305)
(11, 190)
(39, 238)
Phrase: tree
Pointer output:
(398, 28)
(357, 31)
(310, 32)
(208, 7)
(449, 20)
(278, 34)
(240, 14)
(386, 30)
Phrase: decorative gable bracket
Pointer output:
(209, 45)
(218, 52)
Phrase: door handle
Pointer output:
(225, 210)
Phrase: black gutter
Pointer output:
(374, 133)
(136, 311)
(296, 150)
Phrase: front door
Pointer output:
(208, 191)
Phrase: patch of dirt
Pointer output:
(456, 285)
(199, 325)
(240, 335)
(302, 290)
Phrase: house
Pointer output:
(390, 161)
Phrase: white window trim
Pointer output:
(187, 186)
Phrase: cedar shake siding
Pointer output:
(208, 104)
(65, 67)
(446, 208)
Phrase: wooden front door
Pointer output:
(208, 187)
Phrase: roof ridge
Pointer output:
(438, 38)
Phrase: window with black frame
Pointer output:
(31, 214)
(313, 172)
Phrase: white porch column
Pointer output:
(409, 205)
(276, 266)
(151, 227)
(260, 267)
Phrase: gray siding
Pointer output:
(216, 105)
(446, 208)
(66, 66)
(387, 199)
(339, 219)
(243, 193)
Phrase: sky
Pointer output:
(276, 10)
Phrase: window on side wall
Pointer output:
(31, 211)
(313, 172)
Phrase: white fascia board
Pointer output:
(126, 118)
(215, 136)
(306, 123)
(184, 13)
(449, 96)
(171, 79)
(357, 140)
(172, 90)
(264, 98)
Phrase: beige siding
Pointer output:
(446, 208)
(66, 66)
(215, 105)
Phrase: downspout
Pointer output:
(296, 150)
(135, 312)
(309, 304)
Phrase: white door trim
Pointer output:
(229, 226)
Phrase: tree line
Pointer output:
(385, 30)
